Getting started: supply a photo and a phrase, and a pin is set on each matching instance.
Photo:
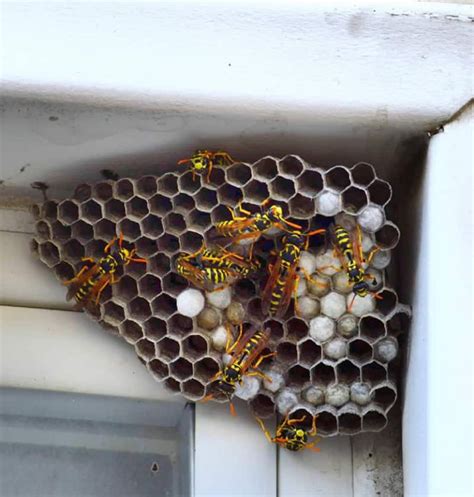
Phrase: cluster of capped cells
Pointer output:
(336, 359)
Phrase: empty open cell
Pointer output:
(238, 174)
(291, 165)
(256, 192)
(266, 168)
(64, 271)
(49, 253)
(301, 206)
(114, 210)
(168, 349)
(43, 230)
(164, 305)
(371, 328)
(310, 183)
(91, 211)
(82, 231)
(174, 284)
(172, 385)
(193, 389)
(152, 226)
(181, 369)
(286, 352)
(190, 241)
(245, 289)
(362, 173)
(126, 289)
(104, 229)
(160, 205)
(168, 184)
(146, 186)
(146, 247)
(174, 223)
(354, 200)
(82, 192)
(298, 376)
(168, 243)
(217, 176)
(136, 269)
(206, 368)
(347, 372)
(323, 374)
(68, 212)
(129, 229)
(198, 220)
(360, 351)
(349, 423)
(124, 189)
(113, 313)
(137, 208)
(309, 353)
(385, 396)
(229, 194)
(296, 329)
(188, 183)
(374, 421)
(380, 192)
(338, 178)
(158, 369)
(180, 325)
(195, 346)
(155, 329)
(149, 286)
(398, 323)
(72, 251)
(282, 188)
(262, 406)
(374, 373)
(145, 349)
(326, 423)
(50, 210)
(387, 301)
(206, 199)
(139, 309)
(388, 236)
(183, 203)
(254, 308)
(131, 331)
(160, 264)
(276, 329)
(102, 191)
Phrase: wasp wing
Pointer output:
(74, 286)
(256, 351)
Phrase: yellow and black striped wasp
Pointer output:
(88, 284)
(292, 434)
(245, 358)
(214, 269)
(283, 281)
(202, 162)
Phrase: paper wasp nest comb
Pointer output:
(340, 365)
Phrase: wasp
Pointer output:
(292, 434)
(88, 284)
(202, 162)
(283, 281)
(245, 358)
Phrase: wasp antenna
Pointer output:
(183, 161)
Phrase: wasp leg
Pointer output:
(352, 303)
(135, 259)
(263, 357)
(313, 427)
(242, 210)
(239, 337)
(101, 289)
(232, 409)
(260, 375)
(371, 255)
(264, 429)
(107, 247)
(78, 275)
(208, 177)
(220, 288)
(312, 446)
(292, 422)
(87, 259)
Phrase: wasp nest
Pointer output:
(330, 361)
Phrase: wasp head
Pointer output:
(275, 213)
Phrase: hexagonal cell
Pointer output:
(158, 369)
(191, 241)
(172, 385)
(362, 173)
(68, 212)
(181, 368)
(380, 192)
(206, 368)
(160, 264)
(164, 305)
(296, 329)
(286, 352)
(126, 289)
(262, 405)
(308, 353)
(238, 174)
(189, 184)
(398, 323)
(388, 236)
(168, 349)
(229, 194)
(347, 372)
(323, 374)
(82, 231)
(43, 230)
(136, 269)
(310, 183)
(130, 229)
(160, 205)
(113, 313)
(149, 286)
(326, 423)
(301, 206)
(193, 389)
(168, 243)
(152, 226)
(195, 346)
(50, 210)
(386, 302)
(137, 208)
(146, 247)
(82, 192)
(349, 423)
(174, 284)
(91, 211)
(146, 186)
(371, 328)
(245, 289)
(64, 271)
(206, 199)
(266, 168)
(255, 191)
(72, 250)
(354, 200)
(102, 191)
(338, 178)
(385, 396)
(124, 189)
(49, 253)
(131, 331)
(374, 421)
(298, 376)
(183, 203)
(180, 325)
(168, 184)
(291, 165)
(276, 329)
(139, 309)
(374, 373)
(155, 329)
(254, 308)
(114, 209)
(104, 229)
(282, 188)
(145, 349)
(199, 220)
(360, 351)
(174, 223)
